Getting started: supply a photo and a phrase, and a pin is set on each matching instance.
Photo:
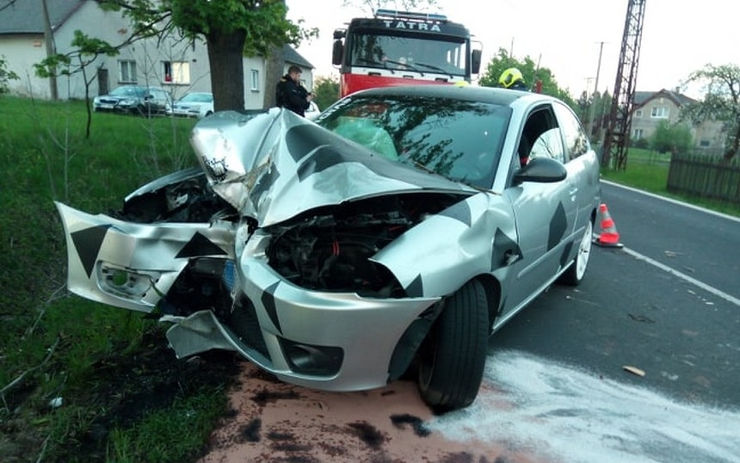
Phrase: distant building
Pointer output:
(179, 66)
(650, 108)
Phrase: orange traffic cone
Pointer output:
(609, 236)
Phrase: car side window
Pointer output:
(576, 140)
(541, 136)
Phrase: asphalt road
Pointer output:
(629, 312)
(676, 318)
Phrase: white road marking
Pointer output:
(560, 413)
(674, 201)
(683, 276)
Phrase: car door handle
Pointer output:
(510, 257)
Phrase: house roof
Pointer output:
(293, 57)
(641, 98)
(27, 16)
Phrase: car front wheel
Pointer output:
(452, 358)
(575, 273)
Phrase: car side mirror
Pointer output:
(337, 52)
(541, 170)
(475, 60)
(148, 97)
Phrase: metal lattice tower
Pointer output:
(620, 116)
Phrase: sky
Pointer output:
(679, 36)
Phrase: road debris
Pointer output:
(56, 402)
(641, 318)
(633, 370)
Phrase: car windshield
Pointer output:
(460, 140)
(197, 98)
(128, 91)
(409, 53)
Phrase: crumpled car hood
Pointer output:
(274, 165)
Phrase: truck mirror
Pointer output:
(337, 52)
(475, 61)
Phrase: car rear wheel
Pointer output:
(452, 358)
(575, 273)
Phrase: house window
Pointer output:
(638, 113)
(127, 71)
(255, 80)
(659, 112)
(176, 72)
(705, 143)
(636, 134)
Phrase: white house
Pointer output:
(177, 65)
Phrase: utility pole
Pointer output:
(593, 97)
(598, 67)
(50, 50)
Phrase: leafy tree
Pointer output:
(327, 91)
(84, 53)
(529, 70)
(671, 138)
(5, 75)
(231, 29)
(721, 102)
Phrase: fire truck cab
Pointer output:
(403, 48)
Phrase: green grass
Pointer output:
(648, 171)
(172, 434)
(55, 341)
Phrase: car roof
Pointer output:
(498, 96)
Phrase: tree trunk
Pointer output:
(274, 63)
(226, 59)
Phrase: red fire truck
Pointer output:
(403, 48)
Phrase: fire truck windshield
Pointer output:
(403, 53)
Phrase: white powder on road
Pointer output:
(528, 402)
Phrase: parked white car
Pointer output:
(195, 104)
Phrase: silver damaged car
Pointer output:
(398, 231)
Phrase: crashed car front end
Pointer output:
(313, 257)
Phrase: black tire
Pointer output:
(577, 270)
(452, 358)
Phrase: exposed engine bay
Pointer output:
(329, 249)
(189, 201)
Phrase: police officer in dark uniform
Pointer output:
(291, 94)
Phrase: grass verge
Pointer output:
(649, 171)
(80, 381)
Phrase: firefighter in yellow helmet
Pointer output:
(512, 79)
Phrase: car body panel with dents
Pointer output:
(135, 99)
(327, 253)
(194, 104)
